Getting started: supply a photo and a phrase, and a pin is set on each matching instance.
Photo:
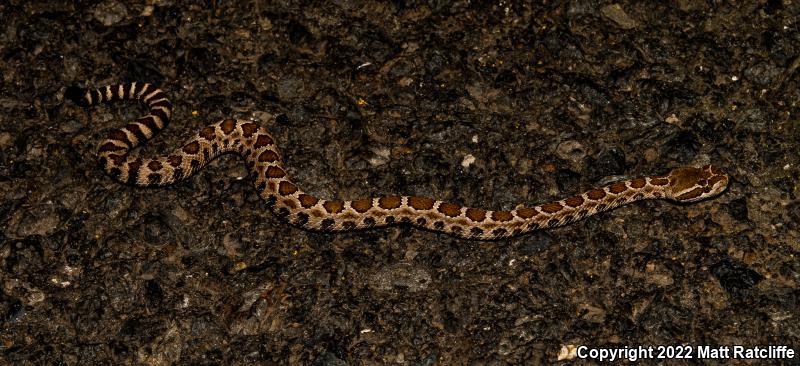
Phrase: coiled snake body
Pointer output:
(258, 148)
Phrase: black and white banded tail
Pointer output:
(113, 150)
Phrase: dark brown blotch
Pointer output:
(368, 222)
(262, 141)
(617, 188)
(476, 214)
(333, 206)
(389, 202)
(228, 126)
(596, 194)
(551, 207)
(290, 203)
(301, 219)
(275, 172)
(174, 160)
(286, 188)
(450, 209)
(268, 156)
(248, 129)
(659, 181)
(574, 201)
(208, 133)
(133, 170)
(327, 224)
(421, 221)
(638, 183)
(154, 165)
(283, 212)
(362, 205)
(307, 200)
(420, 203)
(191, 148)
(526, 212)
(502, 216)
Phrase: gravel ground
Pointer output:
(481, 104)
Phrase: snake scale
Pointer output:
(260, 153)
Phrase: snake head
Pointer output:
(692, 184)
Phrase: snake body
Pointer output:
(263, 160)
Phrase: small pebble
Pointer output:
(110, 12)
(616, 14)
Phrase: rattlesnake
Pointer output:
(258, 148)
